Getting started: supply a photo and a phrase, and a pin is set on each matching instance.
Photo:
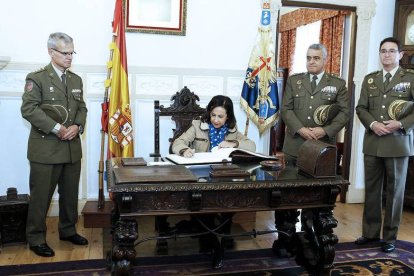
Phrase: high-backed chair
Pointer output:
(183, 110)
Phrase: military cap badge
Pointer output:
(324, 113)
(399, 109)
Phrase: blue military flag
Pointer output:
(259, 95)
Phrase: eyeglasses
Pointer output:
(391, 51)
(65, 53)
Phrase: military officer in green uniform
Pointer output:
(388, 143)
(53, 104)
(307, 93)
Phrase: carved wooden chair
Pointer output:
(183, 110)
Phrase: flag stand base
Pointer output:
(93, 217)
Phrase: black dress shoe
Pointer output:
(43, 250)
(388, 247)
(75, 239)
(217, 259)
(364, 240)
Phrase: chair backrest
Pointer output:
(183, 110)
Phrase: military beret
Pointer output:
(399, 109)
(56, 112)
(324, 113)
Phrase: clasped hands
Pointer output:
(312, 133)
(68, 133)
(225, 144)
(386, 127)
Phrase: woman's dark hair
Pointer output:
(227, 104)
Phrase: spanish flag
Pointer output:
(259, 97)
(120, 132)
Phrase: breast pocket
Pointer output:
(328, 98)
(53, 98)
(373, 99)
(299, 99)
(400, 94)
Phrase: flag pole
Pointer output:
(246, 128)
(276, 128)
(104, 129)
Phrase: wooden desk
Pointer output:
(284, 192)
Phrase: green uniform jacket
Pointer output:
(196, 137)
(300, 103)
(45, 87)
(373, 106)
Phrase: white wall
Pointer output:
(220, 34)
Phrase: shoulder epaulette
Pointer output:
(409, 71)
(334, 76)
(374, 73)
(297, 74)
(39, 70)
(72, 72)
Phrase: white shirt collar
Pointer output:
(320, 75)
(392, 72)
(58, 72)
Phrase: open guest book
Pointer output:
(220, 155)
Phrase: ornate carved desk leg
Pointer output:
(285, 245)
(318, 242)
(125, 232)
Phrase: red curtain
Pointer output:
(331, 35)
(287, 49)
(301, 17)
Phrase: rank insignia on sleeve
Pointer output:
(370, 80)
(29, 86)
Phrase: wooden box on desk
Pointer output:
(317, 159)
(13, 217)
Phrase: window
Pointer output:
(305, 36)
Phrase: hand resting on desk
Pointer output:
(189, 153)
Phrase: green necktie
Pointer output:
(313, 83)
(387, 80)
(63, 77)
